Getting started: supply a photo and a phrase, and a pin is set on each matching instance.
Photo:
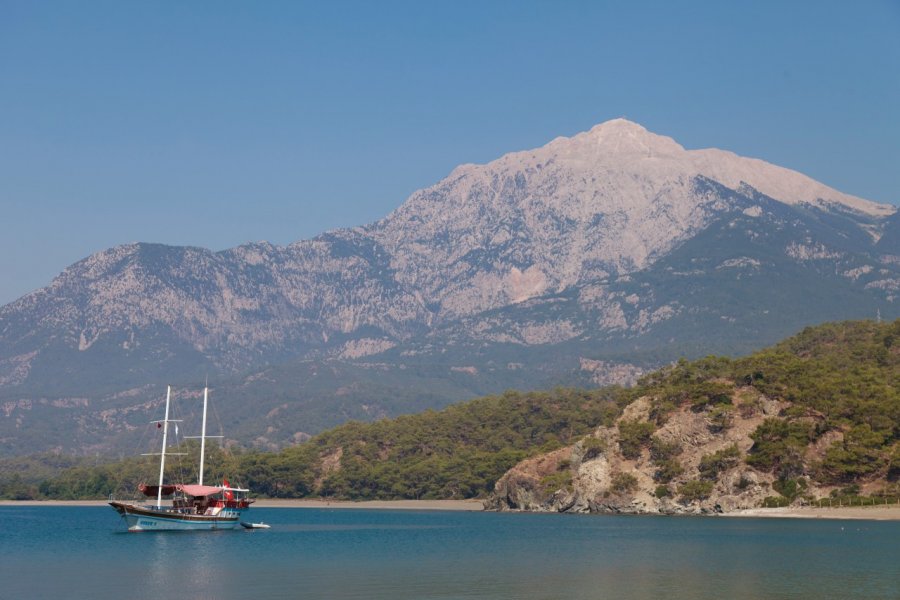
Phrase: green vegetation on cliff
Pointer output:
(839, 427)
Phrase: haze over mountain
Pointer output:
(589, 259)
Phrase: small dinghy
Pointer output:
(259, 525)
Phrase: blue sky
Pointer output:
(212, 124)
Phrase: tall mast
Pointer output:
(203, 435)
(162, 454)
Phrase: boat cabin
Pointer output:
(201, 499)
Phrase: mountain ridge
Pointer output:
(596, 245)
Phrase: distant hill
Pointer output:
(590, 260)
(813, 416)
(456, 453)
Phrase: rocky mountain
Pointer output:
(592, 258)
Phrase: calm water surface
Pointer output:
(84, 552)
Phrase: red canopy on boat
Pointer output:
(201, 490)
(190, 490)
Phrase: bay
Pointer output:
(84, 552)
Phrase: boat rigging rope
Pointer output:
(124, 485)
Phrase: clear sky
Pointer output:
(217, 123)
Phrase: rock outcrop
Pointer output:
(691, 463)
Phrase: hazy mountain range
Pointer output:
(588, 260)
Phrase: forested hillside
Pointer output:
(458, 452)
(817, 413)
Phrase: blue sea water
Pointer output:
(84, 552)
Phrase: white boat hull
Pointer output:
(149, 518)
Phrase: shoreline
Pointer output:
(451, 505)
(456, 505)
(870, 513)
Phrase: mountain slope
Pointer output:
(617, 248)
(606, 202)
(813, 416)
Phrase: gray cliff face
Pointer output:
(253, 303)
(600, 476)
(617, 247)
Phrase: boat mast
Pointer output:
(162, 454)
(203, 435)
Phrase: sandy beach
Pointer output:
(464, 505)
(876, 513)
(459, 505)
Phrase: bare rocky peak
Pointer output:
(622, 144)
(579, 211)
(605, 202)
(600, 204)
(616, 141)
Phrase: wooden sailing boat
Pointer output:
(192, 507)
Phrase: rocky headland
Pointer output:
(703, 439)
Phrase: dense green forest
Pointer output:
(455, 453)
(835, 378)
